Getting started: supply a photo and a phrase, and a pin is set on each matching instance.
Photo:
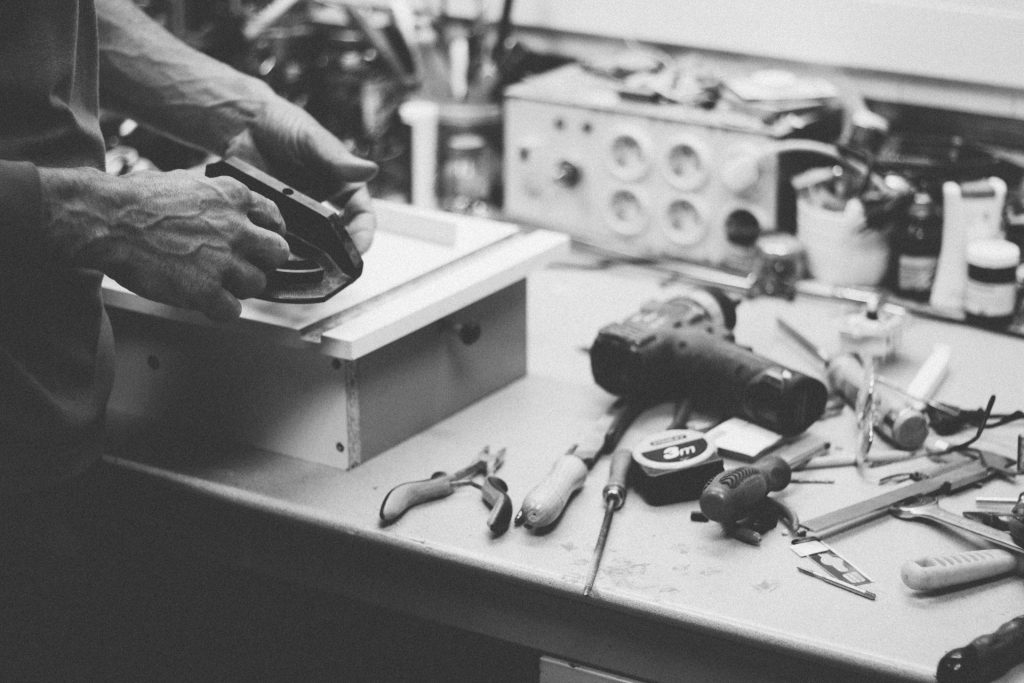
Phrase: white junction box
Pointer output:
(437, 321)
(643, 179)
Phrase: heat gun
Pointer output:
(684, 347)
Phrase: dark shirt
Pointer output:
(56, 350)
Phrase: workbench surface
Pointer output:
(674, 598)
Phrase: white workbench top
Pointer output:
(658, 565)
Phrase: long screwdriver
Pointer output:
(614, 496)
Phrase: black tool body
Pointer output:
(323, 260)
(985, 658)
(680, 348)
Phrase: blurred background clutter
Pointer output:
(746, 156)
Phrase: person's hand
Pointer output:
(287, 142)
(178, 238)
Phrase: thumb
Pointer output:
(330, 167)
(340, 165)
(305, 154)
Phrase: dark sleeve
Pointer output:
(21, 207)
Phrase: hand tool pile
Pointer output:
(683, 351)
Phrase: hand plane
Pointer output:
(323, 258)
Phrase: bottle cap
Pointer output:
(922, 205)
(993, 253)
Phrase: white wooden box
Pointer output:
(340, 381)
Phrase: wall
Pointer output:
(961, 53)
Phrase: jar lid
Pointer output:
(993, 253)
(780, 245)
(466, 142)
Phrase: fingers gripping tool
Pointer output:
(493, 489)
(323, 260)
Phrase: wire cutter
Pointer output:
(441, 485)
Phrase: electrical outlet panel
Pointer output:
(639, 178)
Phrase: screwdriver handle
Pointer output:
(731, 494)
(546, 501)
(985, 658)
(405, 496)
(618, 473)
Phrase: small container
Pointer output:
(991, 294)
(841, 249)
(872, 333)
(466, 178)
(779, 265)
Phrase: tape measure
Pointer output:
(674, 465)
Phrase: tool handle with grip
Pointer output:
(546, 501)
(731, 494)
(985, 658)
(777, 472)
(495, 494)
(901, 423)
(932, 573)
(1015, 525)
(405, 496)
(618, 475)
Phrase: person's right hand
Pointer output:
(177, 237)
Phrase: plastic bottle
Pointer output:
(918, 245)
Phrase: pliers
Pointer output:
(441, 484)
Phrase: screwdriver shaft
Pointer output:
(595, 561)
(614, 496)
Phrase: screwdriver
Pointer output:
(614, 496)
(546, 502)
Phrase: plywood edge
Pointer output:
(117, 297)
(444, 292)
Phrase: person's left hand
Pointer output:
(287, 142)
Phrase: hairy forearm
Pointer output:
(177, 237)
(148, 74)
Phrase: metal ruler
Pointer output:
(943, 482)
